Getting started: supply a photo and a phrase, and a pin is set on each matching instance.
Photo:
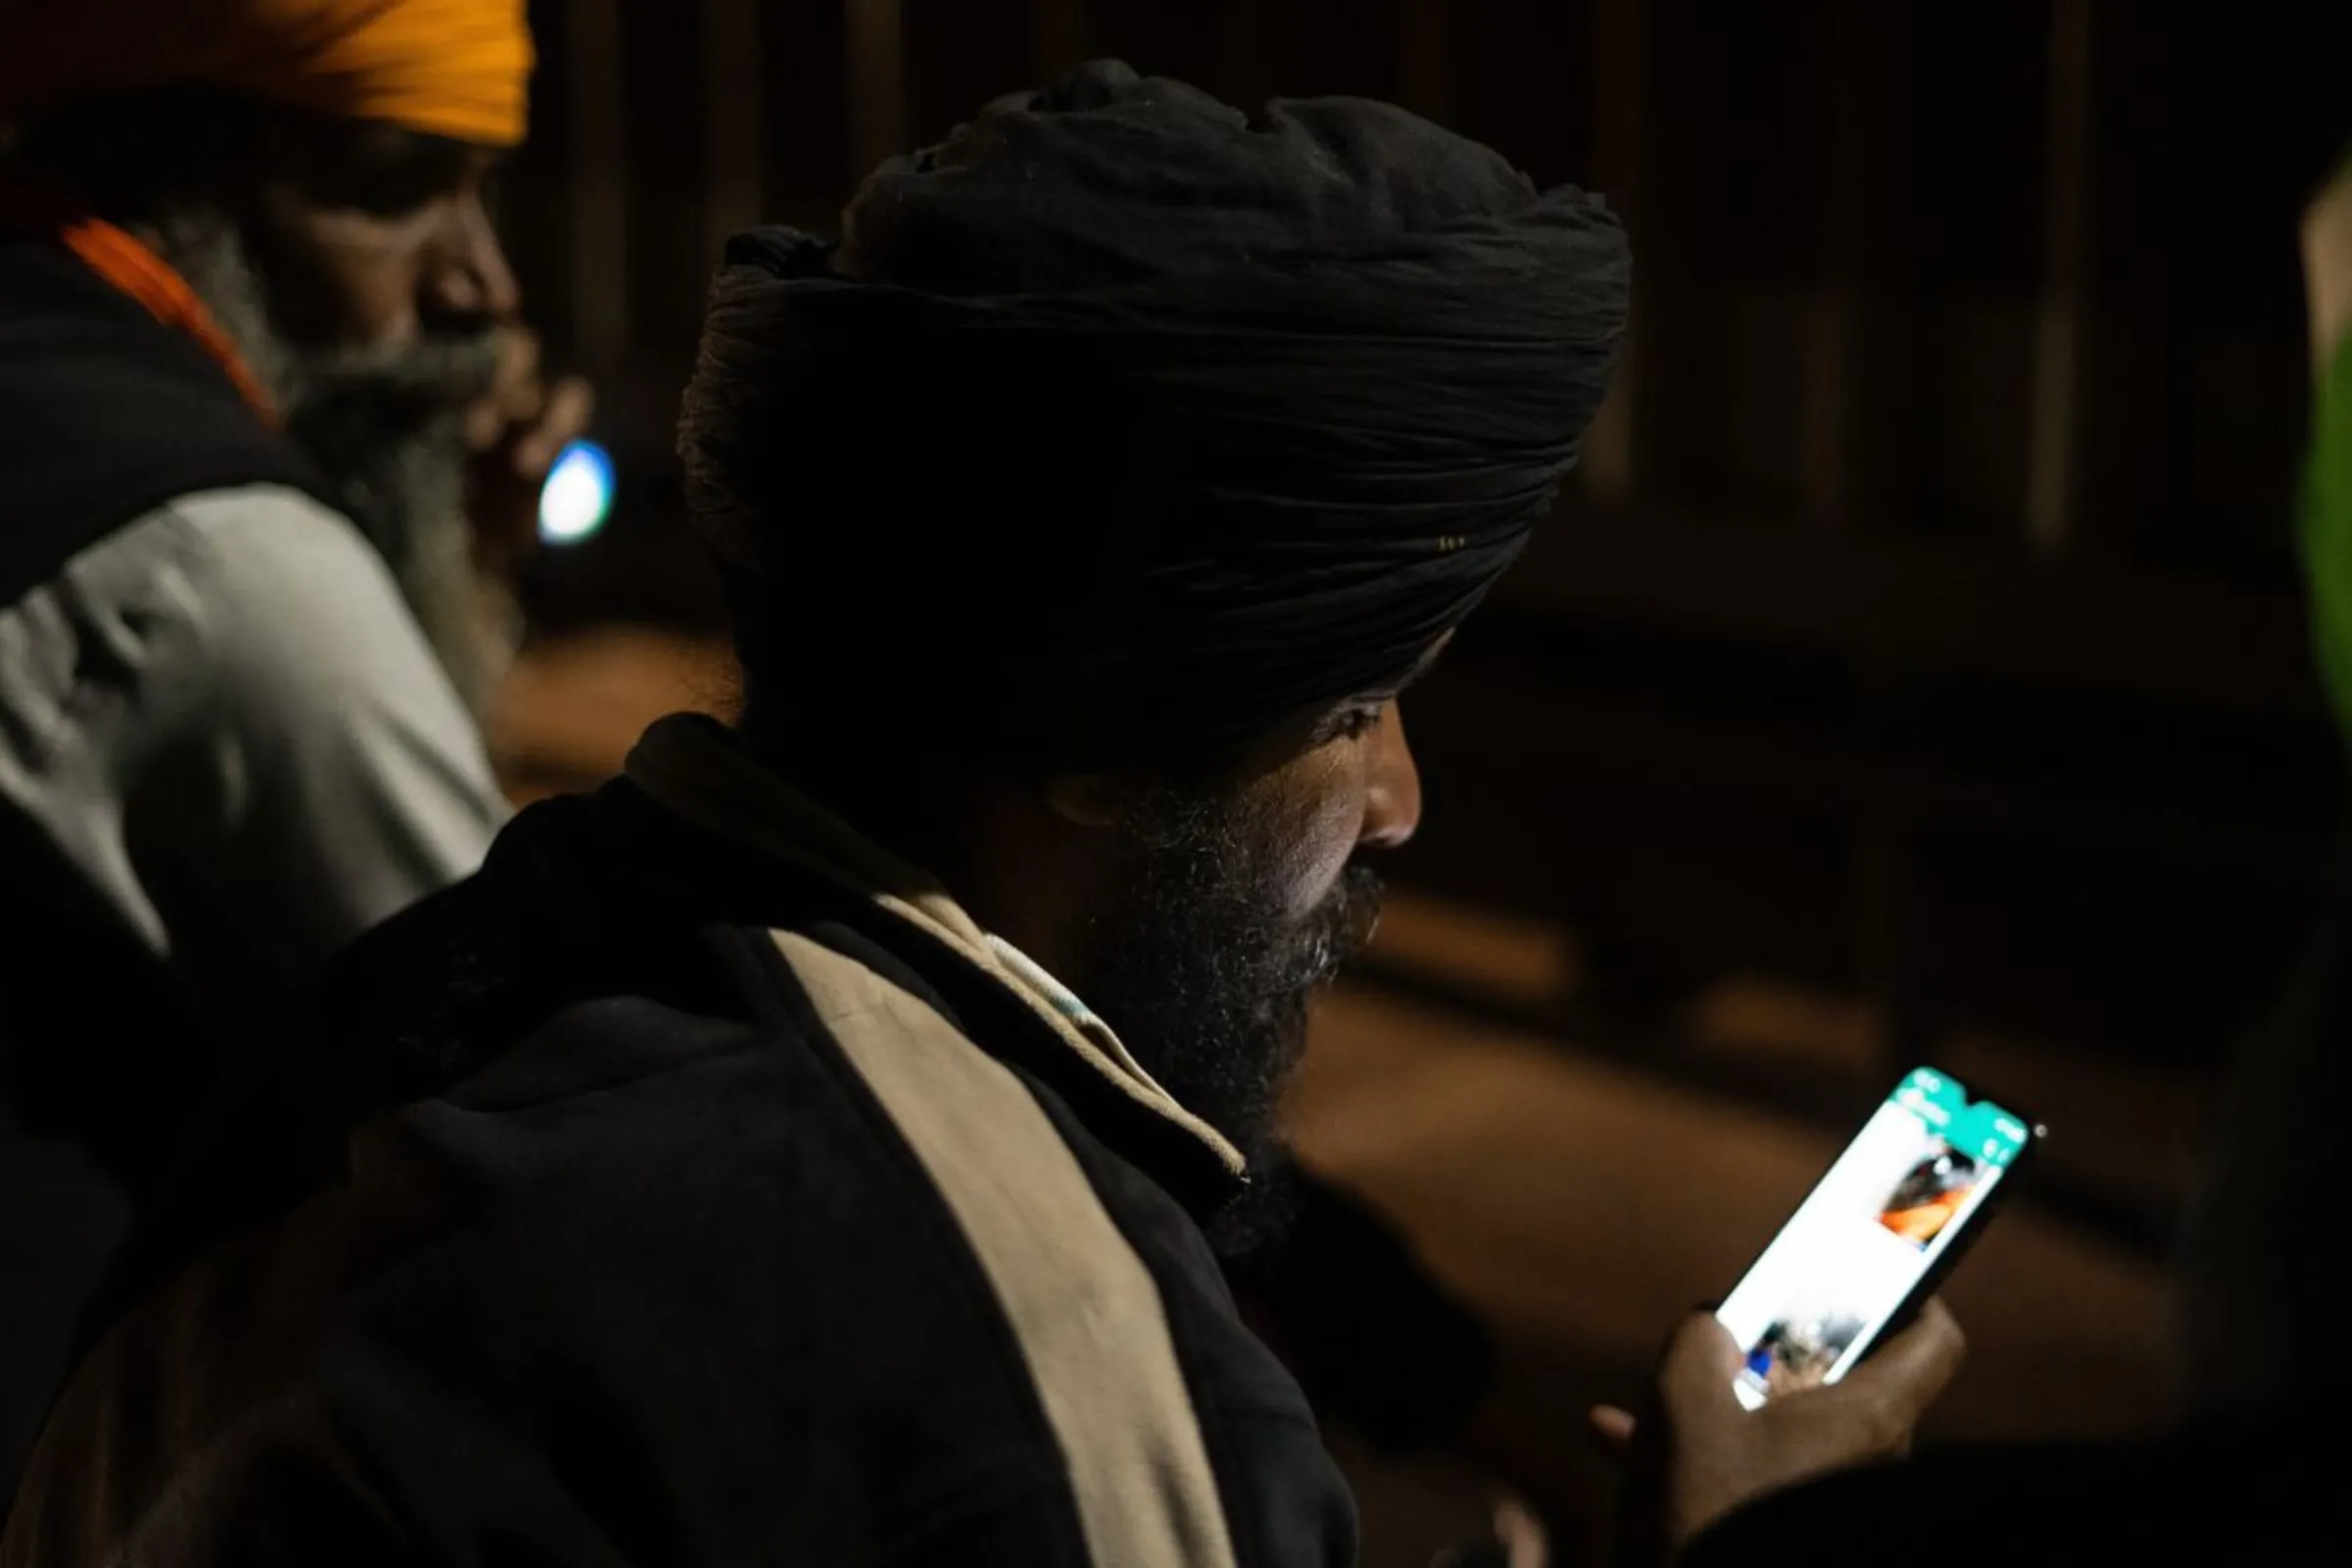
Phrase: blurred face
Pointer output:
(373, 236)
(355, 267)
(1230, 903)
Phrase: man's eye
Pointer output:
(1357, 723)
(388, 193)
(383, 175)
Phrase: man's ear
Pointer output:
(1089, 800)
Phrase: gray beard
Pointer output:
(385, 428)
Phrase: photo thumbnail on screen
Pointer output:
(1930, 1195)
(1797, 1353)
(1869, 1232)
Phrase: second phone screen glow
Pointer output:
(577, 497)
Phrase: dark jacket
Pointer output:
(105, 413)
(736, 1202)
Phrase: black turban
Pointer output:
(1122, 428)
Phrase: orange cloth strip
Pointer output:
(116, 254)
(119, 257)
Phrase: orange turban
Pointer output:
(453, 68)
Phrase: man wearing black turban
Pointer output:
(739, 1175)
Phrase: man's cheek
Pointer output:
(366, 276)
(1324, 848)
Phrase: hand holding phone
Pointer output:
(1772, 1388)
(1698, 1453)
(1875, 1237)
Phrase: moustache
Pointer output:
(429, 377)
(1339, 928)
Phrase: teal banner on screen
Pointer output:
(1982, 1130)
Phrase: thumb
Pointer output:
(1911, 1371)
(1612, 1427)
(1701, 1360)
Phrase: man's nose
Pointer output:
(471, 286)
(1392, 785)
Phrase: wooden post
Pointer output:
(1061, 37)
(1611, 470)
(877, 72)
(600, 250)
(2052, 439)
(1242, 53)
(1427, 73)
(734, 143)
(1834, 376)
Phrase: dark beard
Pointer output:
(1199, 966)
(385, 428)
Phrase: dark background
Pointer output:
(1918, 670)
(1926, 623)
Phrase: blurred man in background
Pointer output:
(739, 1173)
(268, 425)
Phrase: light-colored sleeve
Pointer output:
(341, 772)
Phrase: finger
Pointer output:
(518, 362)
(1911, 1371)
(485, 423)
(570, 405)
(1612, 1427)
(514, 397)
(1525, 1542)
(1701, 1360)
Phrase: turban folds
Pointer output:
(1146, 427)
(450, 67)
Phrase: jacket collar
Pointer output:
(693, 767)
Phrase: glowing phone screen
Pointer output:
(1850, 1258)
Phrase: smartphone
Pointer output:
(1876, 1235)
